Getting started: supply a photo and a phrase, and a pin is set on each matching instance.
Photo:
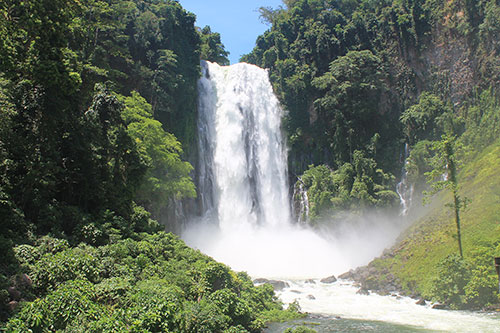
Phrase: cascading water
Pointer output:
(246, 221)
(243, 169)
(405, 189)
(301, 202)
(242, 180)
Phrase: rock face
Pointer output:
(330, 279)
(277, 285)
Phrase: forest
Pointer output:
(98, 143)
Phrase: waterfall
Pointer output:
(405, 189)
(242, 172)
(243, 191)
(300, 202)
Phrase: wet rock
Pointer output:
(277, 285)
(363, 291)
(295, 291)
(421, 302)
(347, 275)
(438, 306)
(330, 279)
(311, 297)
(310, 281)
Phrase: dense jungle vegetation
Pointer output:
(359, 79)
(98, 120)
(96, 97)
(362, 79)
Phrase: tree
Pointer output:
(212, 48)
(444, 176)
(167, 176)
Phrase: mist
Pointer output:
(292, 251)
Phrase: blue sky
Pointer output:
(236, 20)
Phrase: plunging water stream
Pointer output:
(246, 220)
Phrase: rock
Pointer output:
(492, 308)
(310, 281)
(277, 285)
(363, 291)
(330, 279)
(421, 302)
(12, 305)
(438, 306)
(311, 297)
(14, 293)
(347, 275)
(295, 291)
(26, 281)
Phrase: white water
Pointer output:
(341, 299)
(405, 189)
(247, 222)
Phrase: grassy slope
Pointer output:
(432, 237)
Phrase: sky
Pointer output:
(236, 20)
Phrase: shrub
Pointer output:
(57, 309)
(75, 263)
(449, 285)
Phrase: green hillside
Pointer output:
(415, 260)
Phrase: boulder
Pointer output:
(347, 275)
(330, 279)
(12, 305)
(311, 297)
(277, 285)
(310, 281)
(438, 306)
(421, 302)
(363, 291)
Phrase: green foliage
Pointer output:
(167, 176)
(450, 282)
(355, 187)
(71, 163)
(276, 315)
(414, 260)
(212, 48)
(444, 176)
(470, 283)
(155, 283)
(482, 121)
(300, 329)
(57, 309)
(352, 90)
(428, 119)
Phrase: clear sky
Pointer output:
(236, 20)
